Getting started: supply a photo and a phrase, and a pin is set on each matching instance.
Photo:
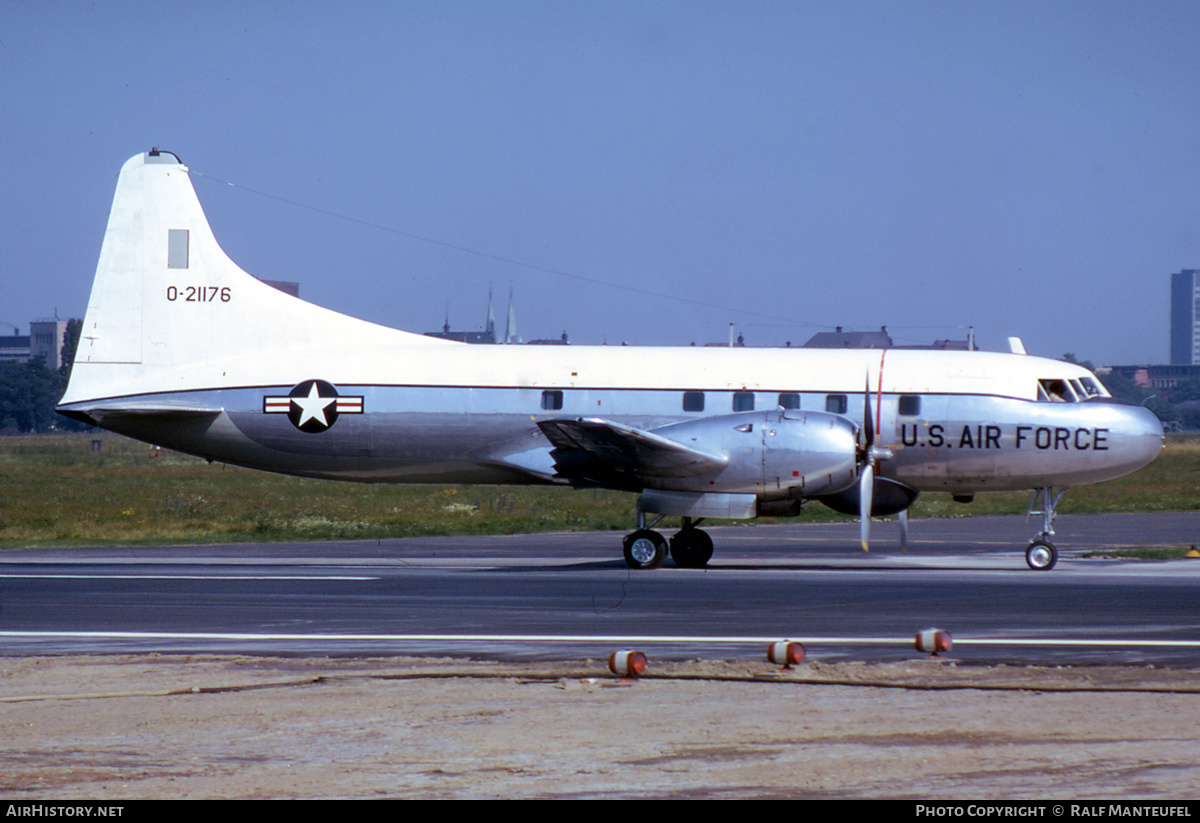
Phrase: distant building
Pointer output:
(462, 336)
(1163, 378)
(45, 340)
(850, 339)
(1185, 317)
(551, 341)
(488, 335)
(740, 343)
(945, 345)
(840, 339)
(14, 347)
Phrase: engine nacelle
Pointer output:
(887, 497)
(775, 455)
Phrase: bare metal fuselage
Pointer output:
(183, 349)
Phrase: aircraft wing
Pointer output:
(593, 451)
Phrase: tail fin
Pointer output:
(170, 311)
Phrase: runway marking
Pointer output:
(178, 577)
(595, 638)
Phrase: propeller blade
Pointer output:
(866, 486)
(868, 422)
(904, 530)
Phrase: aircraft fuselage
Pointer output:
(183, 349)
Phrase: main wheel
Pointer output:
(645, 549)
(1041, 555)
(691, 548)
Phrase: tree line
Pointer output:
(29, 391)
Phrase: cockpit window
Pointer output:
(1092, 387)
(1056, 391)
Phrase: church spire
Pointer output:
(510, 331)
(491, 319)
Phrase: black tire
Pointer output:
(645, 549)
(691, 548)
(1041, 556)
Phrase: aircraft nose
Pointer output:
(1140, 436)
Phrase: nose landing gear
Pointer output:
(1042, 555)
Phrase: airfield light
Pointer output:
(786, 653)
(934, 641)
(627, 663)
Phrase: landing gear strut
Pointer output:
(1042, 555)
(645, 548)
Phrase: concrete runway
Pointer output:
(568, 596)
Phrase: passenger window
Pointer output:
(835, 403)
(789, 400)
(743, 401)
(552, 400)
(910, 405)
(693, 401)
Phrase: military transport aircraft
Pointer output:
(183, 349)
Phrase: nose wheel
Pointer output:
(1041, 555)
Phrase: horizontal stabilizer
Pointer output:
(94, 413)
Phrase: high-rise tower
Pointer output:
(1185, 317)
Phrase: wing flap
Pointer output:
(609, 454)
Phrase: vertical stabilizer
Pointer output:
(170, 311)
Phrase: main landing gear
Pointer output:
(690, 548)
(1041, 555)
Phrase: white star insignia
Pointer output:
(313, 406)
(315, 410)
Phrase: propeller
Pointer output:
(868, 460)
(866, 484)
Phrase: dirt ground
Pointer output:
(116, 727)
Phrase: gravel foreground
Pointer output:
(128, 727)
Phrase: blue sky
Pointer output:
(657, 170)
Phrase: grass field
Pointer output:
(61, 490)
